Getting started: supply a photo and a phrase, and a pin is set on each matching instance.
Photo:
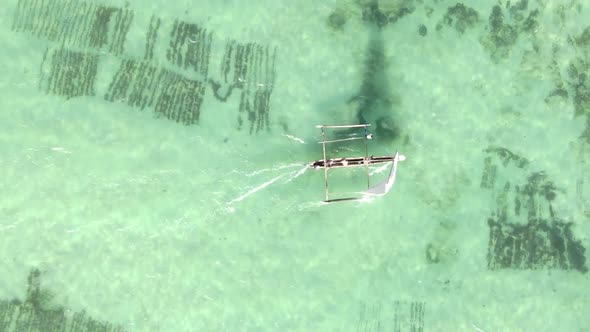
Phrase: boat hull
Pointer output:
(350, 162)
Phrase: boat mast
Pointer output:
(367, 158)
(325, 163)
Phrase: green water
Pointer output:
(164, 206)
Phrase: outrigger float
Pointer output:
(381, 188)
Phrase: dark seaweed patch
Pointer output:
(151, 37)
(249, 67)
(521, 197)
(373, 14)
(582, 179)
(140, 84)
(502, 36)
(507, 156)
(504, 29)
(531, 23)
(579, 85)
(97, 29)
(583, 40)
(75, 23)
(38, 313)
(247, 64)
(488, 177)
(559, 91)
(525, 232)
(190, 47)
(70, 73)
(540, 243)
(461, 17)
(396, 316)
(577, 78)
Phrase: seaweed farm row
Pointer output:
(75, 23)
(391, 315)
(525, 231)
(39, 312)
(173, 84)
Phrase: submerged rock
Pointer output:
(422, 31)
(337, 20)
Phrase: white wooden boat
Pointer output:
(326, 163)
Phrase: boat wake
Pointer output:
(272, 169)
(254, 190)
(287, 177)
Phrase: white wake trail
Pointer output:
(278, 168)
(290, 175)
(254, 190)
(297, 174)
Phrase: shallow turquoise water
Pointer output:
(113, 208)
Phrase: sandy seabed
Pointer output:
(154, 225)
